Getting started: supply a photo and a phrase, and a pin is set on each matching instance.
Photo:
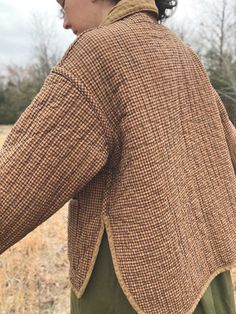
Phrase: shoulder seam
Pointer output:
(82, 88)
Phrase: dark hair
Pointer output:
(162, 6)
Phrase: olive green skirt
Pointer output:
(103, 294)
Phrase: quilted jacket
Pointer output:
(128, 128)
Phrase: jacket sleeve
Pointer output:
(55, 147)
(229, 130)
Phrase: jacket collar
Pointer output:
(126, 7)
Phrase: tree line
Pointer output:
(215, 44)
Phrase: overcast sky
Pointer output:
(16, 27)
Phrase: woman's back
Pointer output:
(128, 127)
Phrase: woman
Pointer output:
(103, 293)
(128, 128)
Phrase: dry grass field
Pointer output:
(34, 271)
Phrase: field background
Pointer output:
(34, 272)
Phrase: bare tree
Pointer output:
(45, 51)
(217, 38)
(217, 24)
(185, 25)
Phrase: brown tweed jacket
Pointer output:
(128, 128)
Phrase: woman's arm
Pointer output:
(56, 146)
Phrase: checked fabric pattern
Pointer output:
(128, 128)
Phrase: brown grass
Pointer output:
(34, 271)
